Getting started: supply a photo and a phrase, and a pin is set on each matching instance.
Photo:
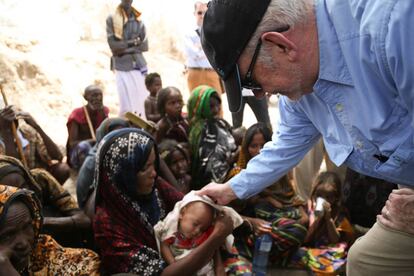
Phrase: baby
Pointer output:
(189, 225)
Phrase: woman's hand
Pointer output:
(260, 226)
(223, 225)
(6, 267)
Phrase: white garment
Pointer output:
(193, 52)
(131, 91)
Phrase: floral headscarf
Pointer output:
(9, 194)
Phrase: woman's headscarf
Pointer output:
(124, 221)
(199, 103)
(10, 165)
(121, 154)
(108, 125)
(9, 195)
(84, 183)
(198, 112)
(244, 156)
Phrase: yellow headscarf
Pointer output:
(9, 194)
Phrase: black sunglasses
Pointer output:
(248, 81)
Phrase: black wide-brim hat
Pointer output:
(227, 28)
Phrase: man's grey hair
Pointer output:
(280, 13)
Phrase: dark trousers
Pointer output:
(259, 108)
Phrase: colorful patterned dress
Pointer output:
(321, 257)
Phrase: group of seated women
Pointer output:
(124, 194)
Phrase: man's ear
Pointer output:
(284, 44)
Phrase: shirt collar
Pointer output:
(332, 66)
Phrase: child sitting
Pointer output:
(189, 225)
(177, 160)
(172, 124)
(330, 232)
(153, 84)
(277, 210)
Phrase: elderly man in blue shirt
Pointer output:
(345, 69)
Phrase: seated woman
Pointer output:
(84, 183)
(130, 200)
(330, 232)
(63, 219)
(277, 210)
(23, 251)
(212, 145)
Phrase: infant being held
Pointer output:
(189, 225)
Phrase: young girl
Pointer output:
(212, 145)
(154, 84)
(172, 124)
(330, 232)
(176, 158)
(277, 210)
(189, 225)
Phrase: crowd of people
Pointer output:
(163, 190)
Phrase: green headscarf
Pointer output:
(199, 112)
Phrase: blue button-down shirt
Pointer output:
(362, 102)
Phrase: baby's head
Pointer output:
(195, 218)
(170, 102)
(153, 83)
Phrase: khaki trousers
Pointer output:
(382, 252)
(199, 76)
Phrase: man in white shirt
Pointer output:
(199, 70)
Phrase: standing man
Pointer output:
(345, 71)
(127, 39)
(199, 70)
(259, 107)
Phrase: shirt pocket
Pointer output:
(399, 167)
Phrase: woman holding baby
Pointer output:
(130, 200)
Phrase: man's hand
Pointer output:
(7, 116)
(398, 212)
(219, 193)
(28, 119)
